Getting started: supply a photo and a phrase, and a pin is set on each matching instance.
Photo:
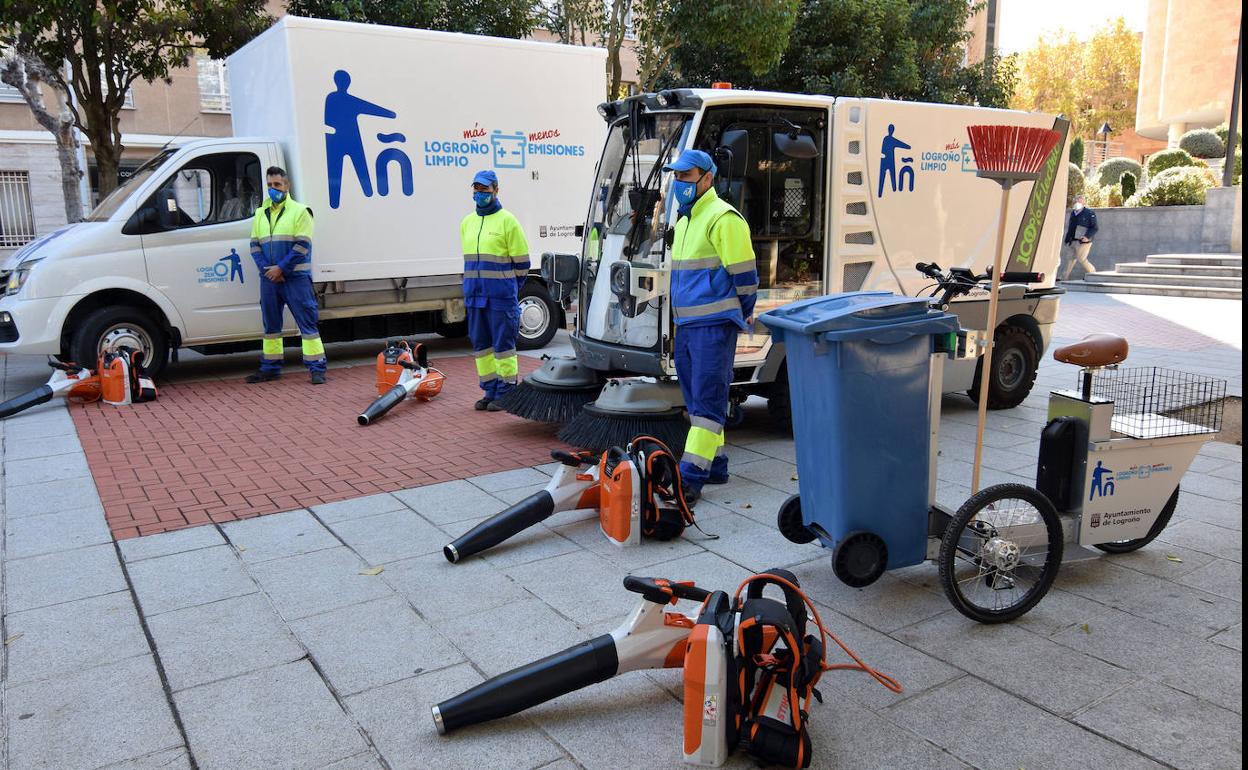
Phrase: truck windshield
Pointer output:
(113, 201)
(626, 221)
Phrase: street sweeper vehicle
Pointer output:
(381, 130)
(840, 194)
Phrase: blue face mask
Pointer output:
(277, 196)
(686, 192)
(482, 199)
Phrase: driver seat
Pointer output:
(1093, 351)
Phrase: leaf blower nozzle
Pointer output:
(494, 530)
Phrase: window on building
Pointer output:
(17, 221)
(214, 86)
(128, 104)
(10, 94)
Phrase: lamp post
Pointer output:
(1104, 132)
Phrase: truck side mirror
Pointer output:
(561, 273)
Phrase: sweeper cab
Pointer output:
(841, 194)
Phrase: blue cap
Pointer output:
(691, 159)
(487, 178)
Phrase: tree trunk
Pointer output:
(26, 74)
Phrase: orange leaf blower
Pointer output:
(402, 370)
(68, 379)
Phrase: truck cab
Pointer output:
(839, 194)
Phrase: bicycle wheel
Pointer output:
(1163, 518)
(1000, 553)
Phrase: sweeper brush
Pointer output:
(554, 393)
(626, 408)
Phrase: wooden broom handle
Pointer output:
(986, 373)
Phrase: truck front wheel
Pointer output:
(112, 326)
(1015, 361)
(539, 317)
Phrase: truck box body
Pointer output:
(416, 115)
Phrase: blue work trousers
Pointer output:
(295, 293)
(492, 332)
(704, 357)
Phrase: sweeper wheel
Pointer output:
(789, 522)
(860, 558)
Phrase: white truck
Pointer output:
(841, 194)
(381, 130)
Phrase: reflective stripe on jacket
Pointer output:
(714, 276)
(496, 259)
(282, 236)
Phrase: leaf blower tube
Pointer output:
(572, 669)
(39, 395)
(494, 530)
(386, 402)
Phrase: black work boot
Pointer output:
(494, 406)
(317, 378)
(482, 405)
(262, 376)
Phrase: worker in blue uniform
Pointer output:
(281, 245)
(713, 289)
(496, 265)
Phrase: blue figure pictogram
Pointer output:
(342, 114)
(888, 164)
(236, 265)
(1102, 481)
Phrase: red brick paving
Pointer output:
(221, 451)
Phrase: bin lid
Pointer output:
(848, 315)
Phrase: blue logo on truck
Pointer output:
(224, 270)
(342, 114)
(888, 164)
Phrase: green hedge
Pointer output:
(1110, 172)
(1203, 143)
(1176, 186)
(1075, 183)
(1172, 158)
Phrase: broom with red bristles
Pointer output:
(1007, 155)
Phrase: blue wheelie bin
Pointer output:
(859, 368)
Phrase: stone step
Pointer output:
(1212, 260)
(1153, 289)
(1210, 282)
(1161, 270)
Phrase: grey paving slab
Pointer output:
(51, 497)
(168, 759)
(581, 586)
(1208, 671)
(1223, 450)
(63, 638)
(770, 472)
(40, 470)
(1171, 726)
(737, 453)
(357, 507)
(755, 546)
(91, 718)
(188, 578)
(364, 761)
(1231, 472)
(1199, 536)
(1018, 734)
(520, 477)
(708, 570)
(1222, 577)
(1029, 665)
(587, 533)
(389, 537)
(767, 444)
(165, 543)
(748, 498)
(34, 535)
(278, 535)
(40, 581)
(221, 639)
(886, 605)
(502, 638)
(372, 644)
(45, 446)
(1163, 560)
(316, 582)
(1232, 637)
(1214, 487)
(846, 735)
(1163, 601)
(281, 717)
(397, 719)
(1221, 513)
(37, 426)
(450, 501)
(439, 589)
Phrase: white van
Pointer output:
(381, 130)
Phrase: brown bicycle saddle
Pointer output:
(1094, 350)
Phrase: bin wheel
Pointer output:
(860, 558)
(789, 521)
(736, 415)
(1000, 553)
(1163, 519)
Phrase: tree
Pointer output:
(900, 49)
(30, 76)
(1091, 83)
(496, 18)
(109, 44)
(574, 22)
